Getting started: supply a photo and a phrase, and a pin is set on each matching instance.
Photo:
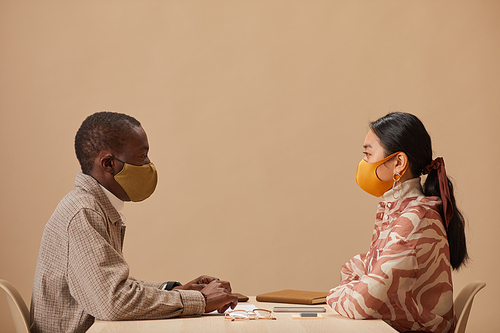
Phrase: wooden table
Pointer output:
(331, 322)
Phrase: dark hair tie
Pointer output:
(438, 164)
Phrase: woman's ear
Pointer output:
(402, 163)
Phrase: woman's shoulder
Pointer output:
(423, 206)
(413, 214)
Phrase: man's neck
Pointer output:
(115, 201)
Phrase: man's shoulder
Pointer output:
(84, 196)
(79, 199)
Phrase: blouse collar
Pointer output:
(408, 189)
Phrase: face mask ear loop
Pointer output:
(396, 187)
(118, 161)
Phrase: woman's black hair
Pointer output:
(404, 132)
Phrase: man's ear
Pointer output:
(107, 163)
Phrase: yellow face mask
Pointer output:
(139, 182)
(367, 179)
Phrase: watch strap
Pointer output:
(171, 285)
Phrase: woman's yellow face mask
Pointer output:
(368, 180)
(373, 175)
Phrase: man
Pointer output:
(81, 273)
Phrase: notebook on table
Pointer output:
(294, 297)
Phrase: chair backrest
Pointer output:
(18, 308)
(463, 304)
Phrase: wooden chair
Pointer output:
(463, 304)
(18, 308)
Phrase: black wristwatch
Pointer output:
(171, 284)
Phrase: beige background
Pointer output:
(256, 112)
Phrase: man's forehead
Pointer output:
(137, 139)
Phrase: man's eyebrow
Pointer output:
(367, 146)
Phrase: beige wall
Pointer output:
(256, 112)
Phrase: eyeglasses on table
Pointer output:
(254, 314)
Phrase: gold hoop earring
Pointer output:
(396, 188)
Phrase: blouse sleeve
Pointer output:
(380, 292)
(354, 269)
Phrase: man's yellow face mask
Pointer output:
(139, 182)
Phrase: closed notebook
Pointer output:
(294, 297)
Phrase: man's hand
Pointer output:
(218, 296)
(198, 283)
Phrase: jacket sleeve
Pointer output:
(382, 290)
(98, 278)
(151, 284)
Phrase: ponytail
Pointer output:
(455, 223)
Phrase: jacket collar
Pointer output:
(90, 185)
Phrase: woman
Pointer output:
(405, 277)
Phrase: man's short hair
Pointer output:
(100, 131)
